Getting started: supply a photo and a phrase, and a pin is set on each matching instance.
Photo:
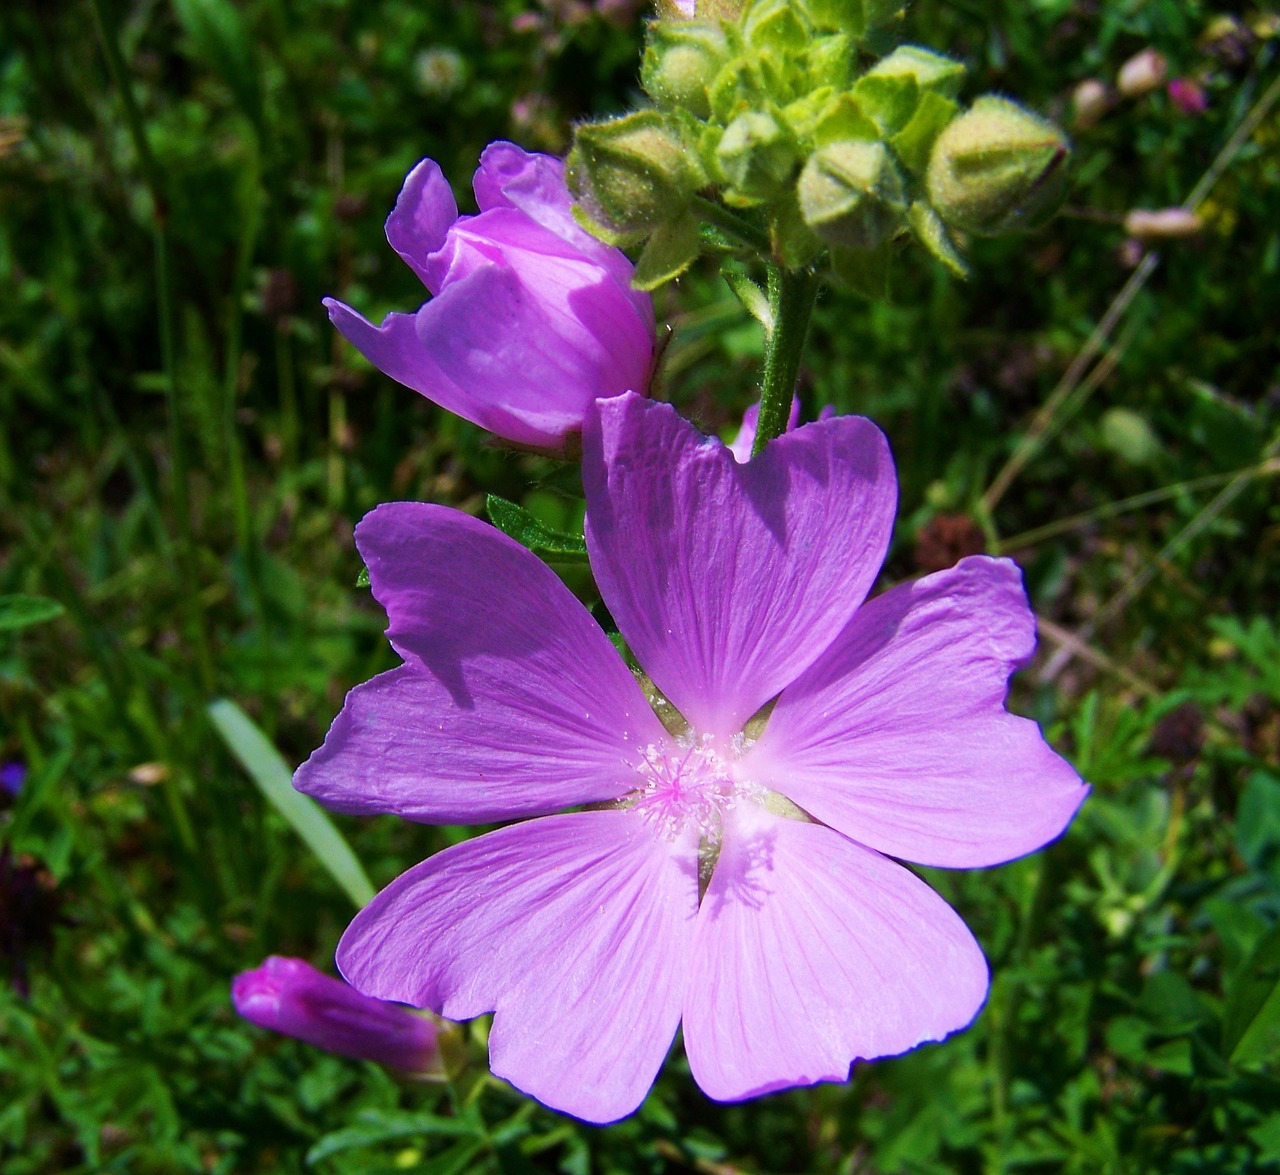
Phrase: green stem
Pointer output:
(732, 224)
(792, 293)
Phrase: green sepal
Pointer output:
(843, 119)
(932, 234)
(776, 27)
(852, 195)
(844, 16)
(932, 72)
(864, 271)
(831, 60)
(363, 580)
(889, 101)
(739, 86)
(602, 232)
(671, 249)
(756, 158)
(516, 522)
(914, 142)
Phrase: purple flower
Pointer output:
(736, 874)
(531, 318)
(1188, 96)
(12, 777)
(290, 996)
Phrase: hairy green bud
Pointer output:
(997, 168)
(930, 71)
(632, 173)
(852, 195)
(757, 158)
(680, 63)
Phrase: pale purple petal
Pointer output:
(509, 177)
(898, 735)
(512, 700)
(574, 930)
(291, 997)
(395, 348)
(744, 442)
(553, 336)
(424, 212)
(728, 580)
(812, 952)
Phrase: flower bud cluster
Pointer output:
(801, 122)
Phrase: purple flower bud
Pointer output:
(290, 996)
(12, 777)
(1188, 96)
(531, 318)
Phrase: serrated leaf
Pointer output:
(19, 611)
(267, 768)
(522, 526)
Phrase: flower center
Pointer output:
(688, 783)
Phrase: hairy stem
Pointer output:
(792, 293)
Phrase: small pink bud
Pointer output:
(1188, 96)
(1141, 74)
(1163, 225)
(1090, 100)
(291, 997)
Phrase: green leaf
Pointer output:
(221, 40)
(752, 297)
(522, 526)
(1251, 1019)
(673, 247)
(19, 611)
(267, 768)
(378, 1127)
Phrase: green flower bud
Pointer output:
(852, 195)
(997, 168)
(632, 173)
(680, 63)
(757, 158)
(775, 26)
(931, 71)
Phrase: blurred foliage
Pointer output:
(179, 476)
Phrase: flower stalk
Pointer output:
(792, 293)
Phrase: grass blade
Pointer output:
(266, 766)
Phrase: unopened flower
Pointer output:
(1163, 224)
(1188, 96)
(1090, 101)
(735, 872)
(12, 777)
(1142, 73)
(531, 317)
(291, 997)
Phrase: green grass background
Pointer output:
(185, 445)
